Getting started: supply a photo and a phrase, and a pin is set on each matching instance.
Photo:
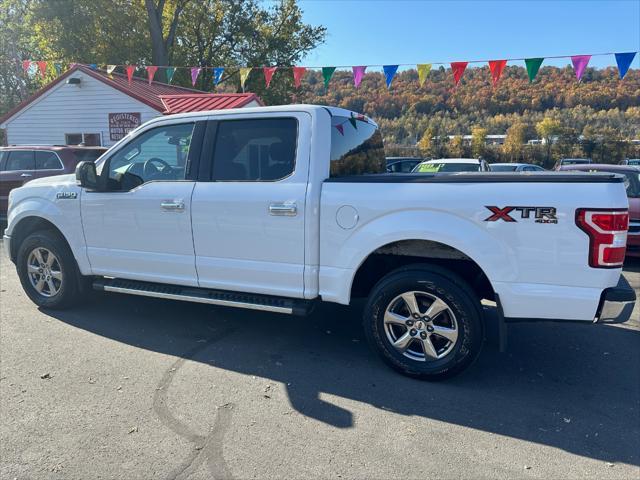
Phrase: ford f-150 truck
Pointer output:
(275, 208)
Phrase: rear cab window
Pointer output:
(356, 146)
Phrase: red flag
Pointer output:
(268, 73)
(298, 73)
(458, 70)
(340, 129)
(496, 67)
(151, 71)
(25, 65)
(42, 66)
(130, 69)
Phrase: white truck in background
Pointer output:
(276, 208)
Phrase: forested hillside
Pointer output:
(596, 117)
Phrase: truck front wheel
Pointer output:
(48, 271)
(424, 321)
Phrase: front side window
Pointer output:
(20, 160)
(356, 147)
(255, 150)
(47, 161)
(157, 154)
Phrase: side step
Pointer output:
(251, 301)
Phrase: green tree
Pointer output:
(478, 141)
(513, 146)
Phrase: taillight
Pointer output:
(607, 230)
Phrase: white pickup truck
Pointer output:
(275, 208)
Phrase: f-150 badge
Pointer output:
(67, 195)
(539, 214)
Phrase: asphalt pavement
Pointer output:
(129, 387)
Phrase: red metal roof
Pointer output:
(206, 101)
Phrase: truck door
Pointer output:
(248, 207)
(139, 227)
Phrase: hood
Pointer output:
(61, 180)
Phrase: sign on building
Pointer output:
(122, 123)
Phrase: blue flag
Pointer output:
(217, 75)
(389, 73)
(624, 62)
(93, 66)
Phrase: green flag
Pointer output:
(533, 65)
(352, 119)
(327, 73)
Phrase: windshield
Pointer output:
(503, 168)
(447, 167)
(356, 146)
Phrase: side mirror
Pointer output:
(86, 175)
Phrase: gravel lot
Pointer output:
(129, 387)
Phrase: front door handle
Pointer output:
(26, 175)
(283, 209)
(172, 205)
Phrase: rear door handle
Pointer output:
(26, 175)
(172, 205)
(283, 209)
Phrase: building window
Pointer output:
(88, 139)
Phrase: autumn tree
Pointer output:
(478, 141)
(514, 143)
(548, 129)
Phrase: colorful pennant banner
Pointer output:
(496, 69)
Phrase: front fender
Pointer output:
(63, 214)
(345, 250)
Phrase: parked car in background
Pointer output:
(571, 161)
(632, 184)
(19, 164)
(631, 161)
(452, 165)
(402, 164)
(515, 167)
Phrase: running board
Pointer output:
(251, 301)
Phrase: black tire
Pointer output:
(426, 284)
(71, 285)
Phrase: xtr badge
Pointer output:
(539, 214)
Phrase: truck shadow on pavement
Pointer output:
(570, 386)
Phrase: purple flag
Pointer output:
(358, 73)
(195, 71)
(580, 62)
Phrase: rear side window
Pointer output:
(20, 160)
(47, 161)
(255, 150)
(356, 147)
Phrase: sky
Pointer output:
(367, 32)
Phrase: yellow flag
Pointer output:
(110, 69)
(423, 72)
(244, 74)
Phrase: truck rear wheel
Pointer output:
(48, 271)
(425, 322)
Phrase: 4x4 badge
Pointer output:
(540, 214)
(67, 195)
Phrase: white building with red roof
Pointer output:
(85, 106)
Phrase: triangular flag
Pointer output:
(268, 74)
(327, 73)
(580, 62)
(298, 73)
(217, 75)
(169, 72)
(93, 66)
(496, 67)
(340, 128)
(352, 119)
(110, 69)
(458, 69)
(151, 71)
(58, 68)
(533, 65)
(129, 69)
(423, 72)
(358, 73)
(42, 67)
(624, 62)
(389, 73)
(25, 65)
(244, 74)
(195, 71)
